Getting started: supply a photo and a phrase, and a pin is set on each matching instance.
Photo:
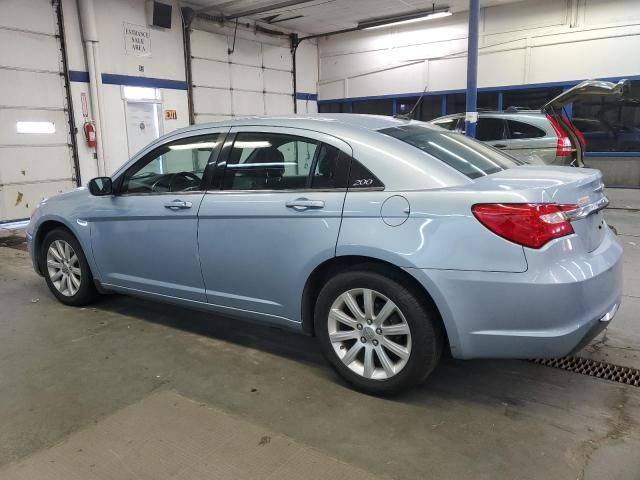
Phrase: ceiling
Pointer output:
(321, 16)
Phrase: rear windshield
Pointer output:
(470, 157)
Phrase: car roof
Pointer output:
(495, 113)
(373, 149)
(312, 121)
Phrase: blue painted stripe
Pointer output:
(569, 83)
(307, 96)
(78, 76)
(612, 154)
(130, 80)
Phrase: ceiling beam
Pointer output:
(255, 11)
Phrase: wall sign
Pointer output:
(137, 40)
(170, 115)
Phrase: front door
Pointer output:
(274, 216)
(144, 237)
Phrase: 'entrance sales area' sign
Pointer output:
(137, 40)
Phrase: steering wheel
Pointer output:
(189, 177)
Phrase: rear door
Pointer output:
(272, 216)
(530, 143)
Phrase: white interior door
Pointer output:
(143, 124)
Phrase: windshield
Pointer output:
(470, 157)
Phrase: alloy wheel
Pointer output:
(369, 333)
(63, 267)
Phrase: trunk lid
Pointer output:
(554, 108)
(562, 185)
(590, 88)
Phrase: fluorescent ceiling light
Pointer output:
(193, 146)
(35, 127)
(402, 20)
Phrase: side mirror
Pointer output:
(101, 186)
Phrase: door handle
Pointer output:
(500, 145)
(178, 205)
(304, 204)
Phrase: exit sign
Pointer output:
(170, 115)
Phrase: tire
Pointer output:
(80, 289)
(420, 348)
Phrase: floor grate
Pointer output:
(594, 368)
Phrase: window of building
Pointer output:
(608, 124)
(530, 98)
(374, 107)
(331, 107)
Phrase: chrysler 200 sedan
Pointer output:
(388, 240)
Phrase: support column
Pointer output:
(471, 117)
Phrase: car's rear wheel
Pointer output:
(65, 269)
(378, 334)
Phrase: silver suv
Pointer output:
(544, 136)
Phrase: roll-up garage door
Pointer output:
(36, 159)
(256, 79)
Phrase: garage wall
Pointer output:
(163, 69)
(32, 165)
(249, 76)
(521, 43)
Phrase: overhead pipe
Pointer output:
(90, 36)
(471, 115)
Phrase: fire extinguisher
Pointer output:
(90, 134)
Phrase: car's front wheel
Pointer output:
(378, 334)
(65, 268)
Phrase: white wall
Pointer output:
(166, 62)
(520, 43)
(251, 75)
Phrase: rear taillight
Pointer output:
(529, 224)
(564, 147)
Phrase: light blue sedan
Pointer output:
(389, 240)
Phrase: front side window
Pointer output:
(468, 156)
(175, 167)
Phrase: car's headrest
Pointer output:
(272, 158)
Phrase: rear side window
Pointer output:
(521, 130)
(361, 177)
(468, 156)
(331, 168)
(489, 129)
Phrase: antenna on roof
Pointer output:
(409, 115)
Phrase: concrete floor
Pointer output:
(69, 375)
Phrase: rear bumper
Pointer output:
(541, 313)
